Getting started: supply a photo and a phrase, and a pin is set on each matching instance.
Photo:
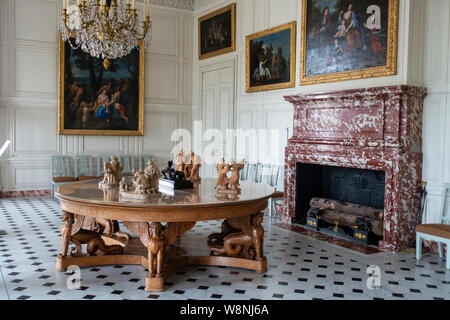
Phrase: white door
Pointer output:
(218, 108)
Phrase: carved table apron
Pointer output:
(91, 218)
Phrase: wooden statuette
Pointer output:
(192, 168)
(229, 184)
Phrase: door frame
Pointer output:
(229, 63)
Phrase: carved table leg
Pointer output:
(66, 232)
(241, 238)
(157, 246)
(72, 232)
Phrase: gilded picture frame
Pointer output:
(130, 117)
(279, 68)
(388, 33)
(221, 23)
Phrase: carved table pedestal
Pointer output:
(91, 220)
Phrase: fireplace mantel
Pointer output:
(376, 129)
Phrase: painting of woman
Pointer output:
(103, 103)
(355, 37)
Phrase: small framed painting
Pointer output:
(217, 32)
(100, 97)
(348, 39)
(270, 59)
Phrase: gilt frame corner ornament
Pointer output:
(391, 50)
(292, 26)
(62, 88)
(232, 47)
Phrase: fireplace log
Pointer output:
(347, 219)
(362, 211)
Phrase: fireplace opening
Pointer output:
(348, 202)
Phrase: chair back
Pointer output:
(259, 170)
(445, 217)
(279, 185)
(143, 160)
(251, 175)
(127, 163)
(62, 166)
(266, 174)
(100, 160)
(84, 166)
(274, 175)
(244, 172)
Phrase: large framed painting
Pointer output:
(270, 59)
(95, 100)
(348, 39)
(217, 32)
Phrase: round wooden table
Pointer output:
(91, 218)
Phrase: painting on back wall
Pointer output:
(348, 39)
(270, 59)
(216, 32)
(94, 100)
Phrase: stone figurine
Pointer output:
(153, 172)
(143, 184)
(112, 173)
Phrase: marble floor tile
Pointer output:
(299, 267)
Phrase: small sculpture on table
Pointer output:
(235, 174)
(112, 172)
(123, 185)
(173, 179)
(222, 179)
(153, 172)
(192, 167)
(144, 183)
(179, 162)
(229, 185)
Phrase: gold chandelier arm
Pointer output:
(65, 18)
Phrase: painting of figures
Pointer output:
(216, 32)
(348, 39)
(271, 59)
(98, 97)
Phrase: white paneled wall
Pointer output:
(436, 132)
(28, 91)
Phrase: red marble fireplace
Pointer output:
(375, 129)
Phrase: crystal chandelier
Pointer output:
(106, 29)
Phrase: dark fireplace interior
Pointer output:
(358, 186)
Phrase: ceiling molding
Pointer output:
(180, 4)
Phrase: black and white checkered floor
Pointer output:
(299, 267)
